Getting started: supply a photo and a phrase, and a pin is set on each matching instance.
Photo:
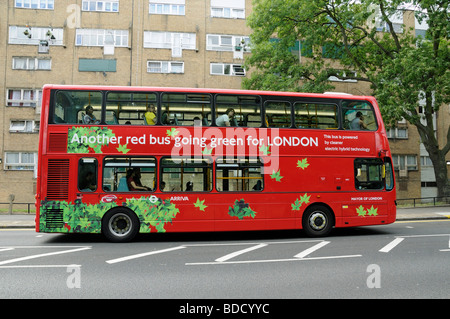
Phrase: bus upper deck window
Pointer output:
(70, 106)
(359, 116)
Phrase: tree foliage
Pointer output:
(407, 73)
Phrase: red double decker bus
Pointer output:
(124, 160)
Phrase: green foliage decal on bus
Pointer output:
(83, 139)
(61, 216)
(79, 217)
(241, 209)
(153, 212)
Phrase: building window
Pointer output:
(426, 161)
(20, 161)
(35, 4)
(33, 36)
(167, 40)
(23, 97)
(405, 162)
(398, 132)
(218, 42)
(30, 63)
(227, 69)
(24, 126)
(228, 9)
(176, 41)
(101, 6)
(169, 7)
(165, 67)
(101, 37)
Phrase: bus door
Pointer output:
(369, 198)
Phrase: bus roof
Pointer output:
(338, 95)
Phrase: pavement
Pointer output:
(403, 214)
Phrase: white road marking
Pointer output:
(308, 251)
(39, 266)
(269, 260)
(391, 245)
(118, 260)
(10, 261)
(239, 252)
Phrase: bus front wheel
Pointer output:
(317, 221)
(120, 225)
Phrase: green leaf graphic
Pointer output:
(372, 211)
(123, 148)
(276, 176)
(303, 163)
(172, 132)
(264, 149)
(200, 204)
(361, 211)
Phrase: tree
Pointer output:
(409, 74)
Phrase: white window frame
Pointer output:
(230, 9)
(37, 34)
(176, 41)
(31, 63)
(401, 162)
(100, 6)
(396, 132)
(101, 37)
(164, 67)
(228, 69)
(35, 4)
(226, 42)
(227, 13)
(165, 40)
(24, 126)
(167, 7)
(21, 164)
(23, 97)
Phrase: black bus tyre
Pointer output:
(120, 225)
(317, 221)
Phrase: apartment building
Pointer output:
(171, 43)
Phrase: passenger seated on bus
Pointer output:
(189, 187)
(150, 115)
(134, 180)
(197, 121)
(258, 186)
(89, 117)
(358, 122)
(226, 119)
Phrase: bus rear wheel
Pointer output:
(120, 225)
(317, 221)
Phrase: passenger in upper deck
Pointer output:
(89, 118)
(225, 119)
(358, 122)
(150, 115)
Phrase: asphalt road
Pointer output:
(402, 260)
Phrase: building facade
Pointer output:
(170, 43)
